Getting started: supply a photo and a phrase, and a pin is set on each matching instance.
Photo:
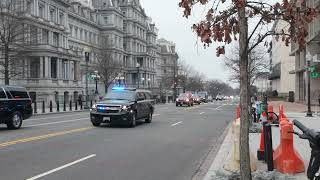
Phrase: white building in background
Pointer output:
(54, 68)
(281, 63)
(262, 82)
(313, 48)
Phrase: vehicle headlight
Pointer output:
(125, 108)
(177, 99)
(187, 100)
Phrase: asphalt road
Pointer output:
(68, 147)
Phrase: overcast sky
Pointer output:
(173, 27)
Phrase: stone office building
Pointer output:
(54, 66)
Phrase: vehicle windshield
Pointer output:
(182, 95)
(119, 95)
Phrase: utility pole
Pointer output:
(308, 58)
(138, 75)
(87, 58)
(175, 80)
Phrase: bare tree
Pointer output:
(106, 64)
(257, 63)
(15, 37)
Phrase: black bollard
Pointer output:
(76, 105)
(268, 152)
(70, 105)
(43, 107)
(91, 104)
(50, 106)
(35, 107)
(81, 105)
(58, 108)
(64, 105)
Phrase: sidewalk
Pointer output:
(292, 107)
(216, 171)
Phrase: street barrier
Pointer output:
(50, 106)
(268, 153)
(260, 152)
(64, 105)
(58, 108)
(43, 107)
(286, 159)
(76, 105)
(281, 112)
(233, 161)
(35, 107)
(70, 105)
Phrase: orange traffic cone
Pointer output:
(286, 159)
(260, 152)
(238, 112)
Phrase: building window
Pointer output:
(106, 20)
(41, 11)
(55, 39)
(61, 19)
(54, 67)
(33, 34)
(52, 15)
(35, 67)
(65, 69)
(45, 36)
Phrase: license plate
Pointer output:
(106, 118)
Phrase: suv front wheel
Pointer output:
(96, 122)
(133, 121)
(149, 118)
(15, 122)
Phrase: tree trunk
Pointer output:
(6, 65)
(245, 170)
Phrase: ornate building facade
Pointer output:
(54, 66)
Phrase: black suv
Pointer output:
(15, 106)
(123, 106)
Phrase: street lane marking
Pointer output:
(62, 167)
(58, 122)
(47, 136)
(202, 113)
(37, 119)
(176, 123)
(156, 115)
(220, 106)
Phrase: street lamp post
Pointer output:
(96, 78)
(308, 58)
(138, 75)
(87, 59)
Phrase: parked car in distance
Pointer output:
(219, 97)
(185, 99)
(15, 106)
(123, 105)
(196, 99)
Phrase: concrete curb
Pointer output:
(61, 112)
(222, 154)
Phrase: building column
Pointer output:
(41, 67)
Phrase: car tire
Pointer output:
(15, 121)
(149, 118)
(191, 104)
(133, 121)
(177, 104)
(96, 122)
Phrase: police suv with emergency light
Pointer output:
(123, 106)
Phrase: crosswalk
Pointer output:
(219, 103)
